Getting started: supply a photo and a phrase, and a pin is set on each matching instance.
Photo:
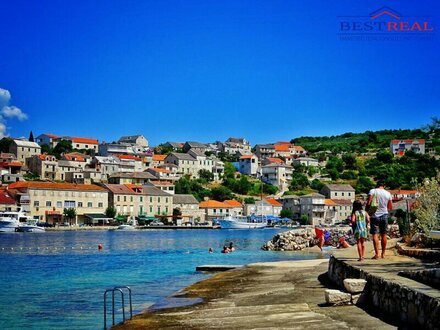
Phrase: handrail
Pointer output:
(118, 289)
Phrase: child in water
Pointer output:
(359, 220)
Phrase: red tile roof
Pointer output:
(159, 158)
(52, 136)
(74, 158)
(247, 156)
(128, 157)
(407, 141)
(282, 147)
(54, 186)
(5, 198)
(406, 192)
(214, 204)
(329, 202)
(273, 202)
(342, 201)
(163, 170)
(274, 160)
(84, 140)
(233, 203)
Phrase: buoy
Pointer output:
(100, 246)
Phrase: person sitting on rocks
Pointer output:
(343, 244)
(322, 236)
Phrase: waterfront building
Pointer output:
(7, 202)
(46, 201)
(189, 208)
(139, 200)
(24, 149)
(214, 209)
(265, 207)
(237, 207)
(248, 165)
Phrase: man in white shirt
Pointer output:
(379, 220)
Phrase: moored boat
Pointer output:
(30, 226)
(10, 220)
(241, 222)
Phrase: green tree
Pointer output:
(229, 172)
(316, 184)
(384, 156)
(304, 219)
(249, 200)
(243, 185)
(69, 213)
(286, 214)
(206, 175)
(427, 206)
(221, 193)
(110, 212)
(63, 146)
(349, 161)
(177, 214)
(5, 144)
(364, 185)
(299, 181)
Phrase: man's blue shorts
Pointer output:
(379, 224)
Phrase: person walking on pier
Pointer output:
(359, 221)
(379, 203)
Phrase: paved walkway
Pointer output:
(278, 295)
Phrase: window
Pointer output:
(89, 204)
(131, 198)
(141, 199)
(48, 203)
(118, 198)
(80, 204)
(36, 203)
(158, 199)
(342, 194)
(151, 199)
(69, 204)
(100, 204)
(59, 204)
(158, 210)
(151, 209)
(125, 198)
(166, 210)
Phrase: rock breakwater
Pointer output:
(299, 239)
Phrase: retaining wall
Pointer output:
(410, 306)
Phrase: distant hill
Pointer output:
(367, 141)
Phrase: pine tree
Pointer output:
(31, 137)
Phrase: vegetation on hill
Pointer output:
(369, 140)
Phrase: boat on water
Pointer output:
(241, 222)
(130, 225)
(9, 220)
(30, 226)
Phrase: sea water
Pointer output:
(56, 280)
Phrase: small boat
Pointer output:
(10, 220)
(30, 226)
(241, 222)
(130, 225)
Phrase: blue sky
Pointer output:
(207, 70)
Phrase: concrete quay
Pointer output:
(290, 295)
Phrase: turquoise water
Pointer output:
(56, 280)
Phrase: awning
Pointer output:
(121, 218)
(97, 217)
(52, 213)
(144, 217)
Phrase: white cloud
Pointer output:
(5, 97)
(2, 130)
(8, 111)
(12, 111)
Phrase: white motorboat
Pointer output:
(10, 220)
(130, 225)
(30, 226)
(241, 222)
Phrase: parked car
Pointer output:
(156, 223)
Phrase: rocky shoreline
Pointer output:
(299, 239)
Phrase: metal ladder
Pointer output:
(117, 289)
